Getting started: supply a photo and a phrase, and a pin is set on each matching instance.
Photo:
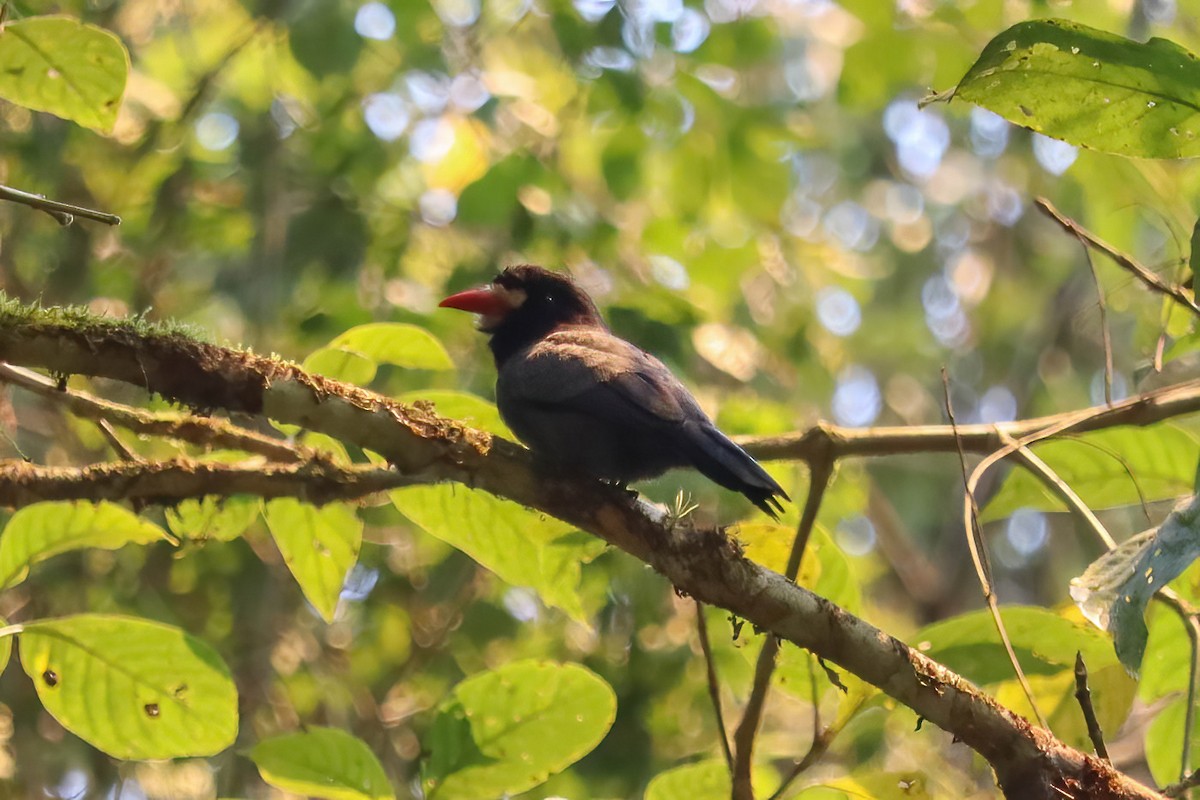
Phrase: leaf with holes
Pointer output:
(42, 530)
(1091, 88)
(395, 343)
(319, 546)
(1116, 587)
(133, 688)
(1115, 467)
(322, 762)
(505, 731)
(60, 65)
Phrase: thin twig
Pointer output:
(1190, 782)
(825, 440)
(203, 431)
(1084, 696)
(63, 213)
(1123, 260)
(106, 429)
(983, 567)
(714, 686)
(820, 473)
(1105, 334)
(1167, 596)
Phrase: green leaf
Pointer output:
(42, 530)
(1194, 257)
(463, 406)
(395, 343)
(5, 646)
(1115, 588)
(1114, 467)
(341, 364)
(505, 731)
(134, 689)
(523, 547)
(322, 762)
(1045, 644)
(824, 569)
(220, 518)
(705, 780)
(60, 65)
(1164, 743)
(319, 546)
(1091, 88)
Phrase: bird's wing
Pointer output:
(596, 372)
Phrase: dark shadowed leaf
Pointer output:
(1115, 589)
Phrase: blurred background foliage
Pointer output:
(748, 189)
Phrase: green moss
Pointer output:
(85, 322)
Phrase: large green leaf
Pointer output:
(468, 408)
(395, 343)
(319, 546)
(220, 518)
(1091, 88)
(133, 688)
(1164, 743)
(705, 780)
(341, 364)
(42, 530)
(322, 762)
(60, 65)
(523, 547)
(1114, 467)
(505, 731)
(1116, 587)
(1045, 644)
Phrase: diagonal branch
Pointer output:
(700, 561)
(204, 431)
(1125, 261)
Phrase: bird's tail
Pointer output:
(726, 464)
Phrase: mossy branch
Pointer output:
(702, 562)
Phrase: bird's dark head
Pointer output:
(524, 304)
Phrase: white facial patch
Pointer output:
(511, 298)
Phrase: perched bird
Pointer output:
(588, 402)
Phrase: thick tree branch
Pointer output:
(702, 562)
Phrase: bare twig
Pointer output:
(1105, 333)
(825, 440)
(1124, 260)
(203, 431)
(1189, 782)
(64, 213)
(1084, 696)
(983, 567)
(115, 443)
(714, 686)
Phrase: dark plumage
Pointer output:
(586, 401)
